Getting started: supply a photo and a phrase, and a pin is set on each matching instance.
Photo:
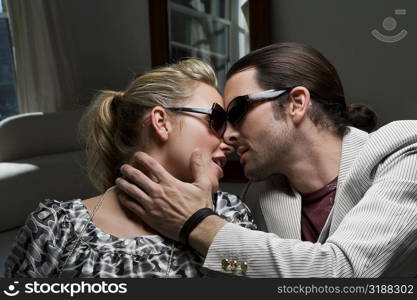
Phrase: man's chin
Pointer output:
(255, 174)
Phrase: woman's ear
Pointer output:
(299, 104)
(161, 123)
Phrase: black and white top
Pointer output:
(45, 243)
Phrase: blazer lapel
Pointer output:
(275, 206)
(351, 147)
(283, 219)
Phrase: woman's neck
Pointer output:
(115, 219)
(156, 154)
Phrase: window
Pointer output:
(8, 100)
(215, 31)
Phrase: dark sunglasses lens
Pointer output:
(236, 110)
(218, 120)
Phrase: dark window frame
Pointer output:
(260, 32)
(260, 36)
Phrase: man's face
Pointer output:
(260, 140)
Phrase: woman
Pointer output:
(167, 112)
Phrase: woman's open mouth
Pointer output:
(220, 162)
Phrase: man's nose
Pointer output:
(231, 135)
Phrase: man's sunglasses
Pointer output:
(235, 111)
(218, 117)
(240, 105)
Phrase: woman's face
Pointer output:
(192, 131)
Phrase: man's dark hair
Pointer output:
(287, 65)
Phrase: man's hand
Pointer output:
(161, 200)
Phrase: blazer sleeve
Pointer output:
(39, 243)
(377, 237)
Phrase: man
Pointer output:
(333, 200)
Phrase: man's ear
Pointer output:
(161, 123)
(299, 104)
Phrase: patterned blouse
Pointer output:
(45, 243)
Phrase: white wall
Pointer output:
(380, 74)
(110, 43)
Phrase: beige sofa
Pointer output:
(40, 158)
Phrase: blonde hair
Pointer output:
(110, 127)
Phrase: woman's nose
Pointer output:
(226, 148)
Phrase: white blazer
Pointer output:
(370, 232)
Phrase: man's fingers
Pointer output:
(138, 178)
(198, 167)
(134, 192)
(156, 172)
(131, 205)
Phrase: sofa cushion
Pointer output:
(35, 134)
(24, 183)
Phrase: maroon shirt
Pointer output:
(316, 207)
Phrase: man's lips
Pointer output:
(241, 150)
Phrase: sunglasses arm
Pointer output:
(196, 110)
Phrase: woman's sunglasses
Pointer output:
(240, 105)
(218, 117)
(235, 111)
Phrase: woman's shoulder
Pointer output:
(51, 212)
(232, 209)
(41, 239)
(48, 224)
(225, 198)
(57, 204)
(53, 205)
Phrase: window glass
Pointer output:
(216, 8)
(200, 33)
(8, 102)
(214, 31)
